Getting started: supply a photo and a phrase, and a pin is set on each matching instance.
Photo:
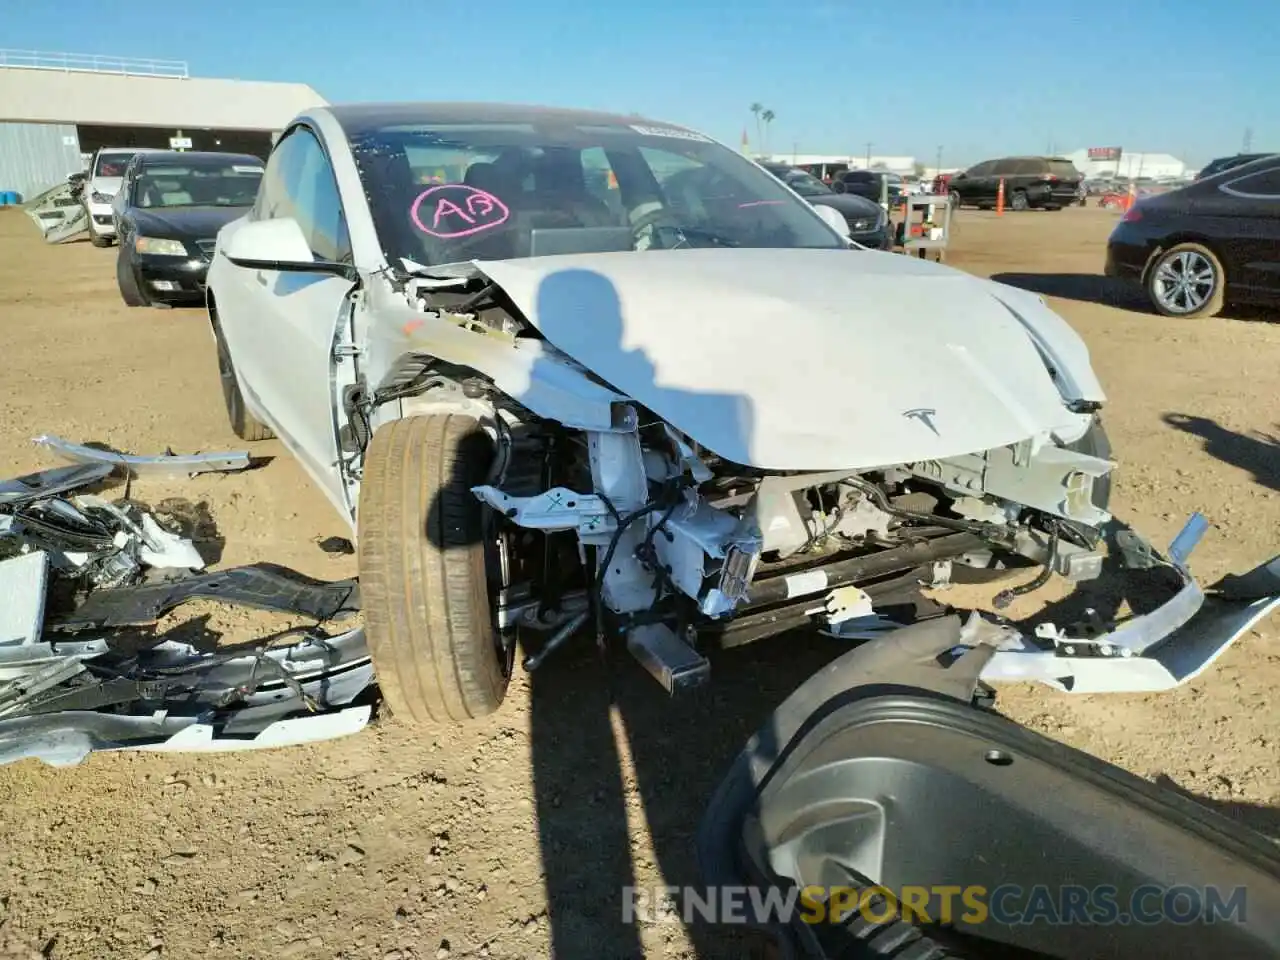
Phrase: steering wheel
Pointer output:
(654, 220)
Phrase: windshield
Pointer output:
(806, 184)
(494, 191)
(198, 185)
(111, 164)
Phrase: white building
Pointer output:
(1129, 165)
(56, 109)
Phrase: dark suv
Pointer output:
(866, 183)
(1048, 182)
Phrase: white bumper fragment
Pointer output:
(1155, 651)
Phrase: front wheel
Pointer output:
(431, 562)
(1187, 281)
(127, 281)
(1019, 201)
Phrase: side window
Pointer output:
(983, 169)
(1264, 184)
(273, 199)
(299, 183)
(1026, 167)
(1003, 168)
(601, 181)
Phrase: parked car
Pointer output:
(1214, 242)
(866, 183)
(1049, 183)
(1226, 163)
(168, 213)
(678, 413)
(868, 223)
(106, 171)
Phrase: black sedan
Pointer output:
(1212, 242)
(868, 223)
(168, 214)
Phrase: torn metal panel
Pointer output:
(50, 483)
(163, 465)
(262, 587)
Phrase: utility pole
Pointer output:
(937, 169)
(868, 155)
(795, 150)
(1248, 139)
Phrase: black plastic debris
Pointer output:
(259, 586)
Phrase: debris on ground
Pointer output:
(167, 464)
(81, 580)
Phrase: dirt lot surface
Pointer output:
(513, 837)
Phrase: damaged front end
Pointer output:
(628, 523)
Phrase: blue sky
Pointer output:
(986, 77)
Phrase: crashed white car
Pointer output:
(569, 372)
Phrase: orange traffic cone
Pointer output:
(1000, 198)
(1133, 196)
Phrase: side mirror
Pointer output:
(278, 244)
(833, 219)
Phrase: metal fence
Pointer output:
(93, 63)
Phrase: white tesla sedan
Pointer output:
(571, 372)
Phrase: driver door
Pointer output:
(283, 340)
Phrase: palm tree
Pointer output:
(768, 117)
(756, 108)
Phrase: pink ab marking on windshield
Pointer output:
(454, 210)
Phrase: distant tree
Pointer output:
(756, 108)
(768, 118)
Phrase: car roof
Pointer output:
(132, 150)
(356, 118)
(198, 156)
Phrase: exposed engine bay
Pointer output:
(656, 538)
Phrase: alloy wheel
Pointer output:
(1184, 282)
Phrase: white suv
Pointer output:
(105, 176)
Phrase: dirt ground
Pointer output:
(512, 838)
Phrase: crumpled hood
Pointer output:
(808, 359)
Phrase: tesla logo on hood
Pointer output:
(925, 415)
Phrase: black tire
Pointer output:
(1019, 201)
(423, 561)
(244, 424)
(127, 281)
(1215, 301)
(98, 241)
(1096, 443)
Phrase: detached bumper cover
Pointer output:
(203, 703)
(1155, 651)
